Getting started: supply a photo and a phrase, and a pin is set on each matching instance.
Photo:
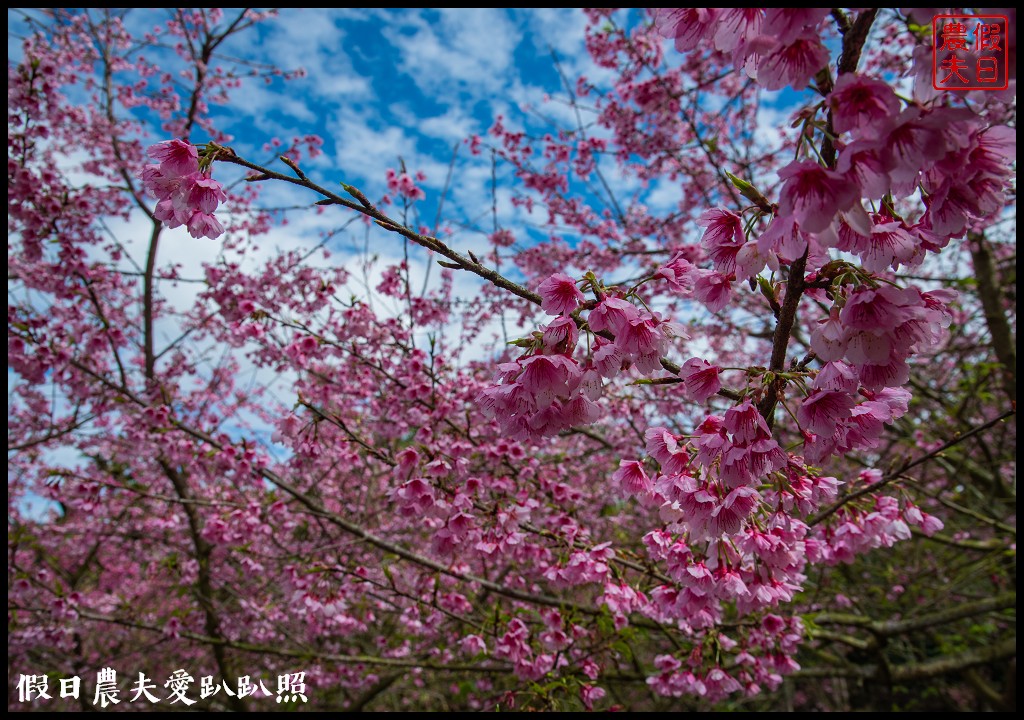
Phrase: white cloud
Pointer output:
(315, 39)
(364, 151)
(466, 47)
(455, 125)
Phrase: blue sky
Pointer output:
(411, 84)
(384, 84)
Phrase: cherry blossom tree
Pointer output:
(755, 450)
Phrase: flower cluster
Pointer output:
(403, 184)
(641, 337)
(878, 328)
(865, 346)
(186, 195)
(547, 390)
(542, 395)
(962, 164)
(779, 47)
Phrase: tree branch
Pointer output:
(993, 303)
(826, 513)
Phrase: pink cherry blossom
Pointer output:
(862, 105)
(177, 158)
(822, 410)
(589, 694)
(547, 377)
(829, 338)
(713, 289)
(664, 447)
(723, 238)
(203, 193)
(560, 294)
(680, 274)
(889, 245)
(867, 165)
(785, 24)
(204, 225)
(792, 64)
(737, 26)
(745, 423)
(689, 27)
(561, 335)
(700, 379)
(614, 315)
(632, 478)
(813, 195)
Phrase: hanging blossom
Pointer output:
(403, 184)
(186, 194)
(547, 390)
